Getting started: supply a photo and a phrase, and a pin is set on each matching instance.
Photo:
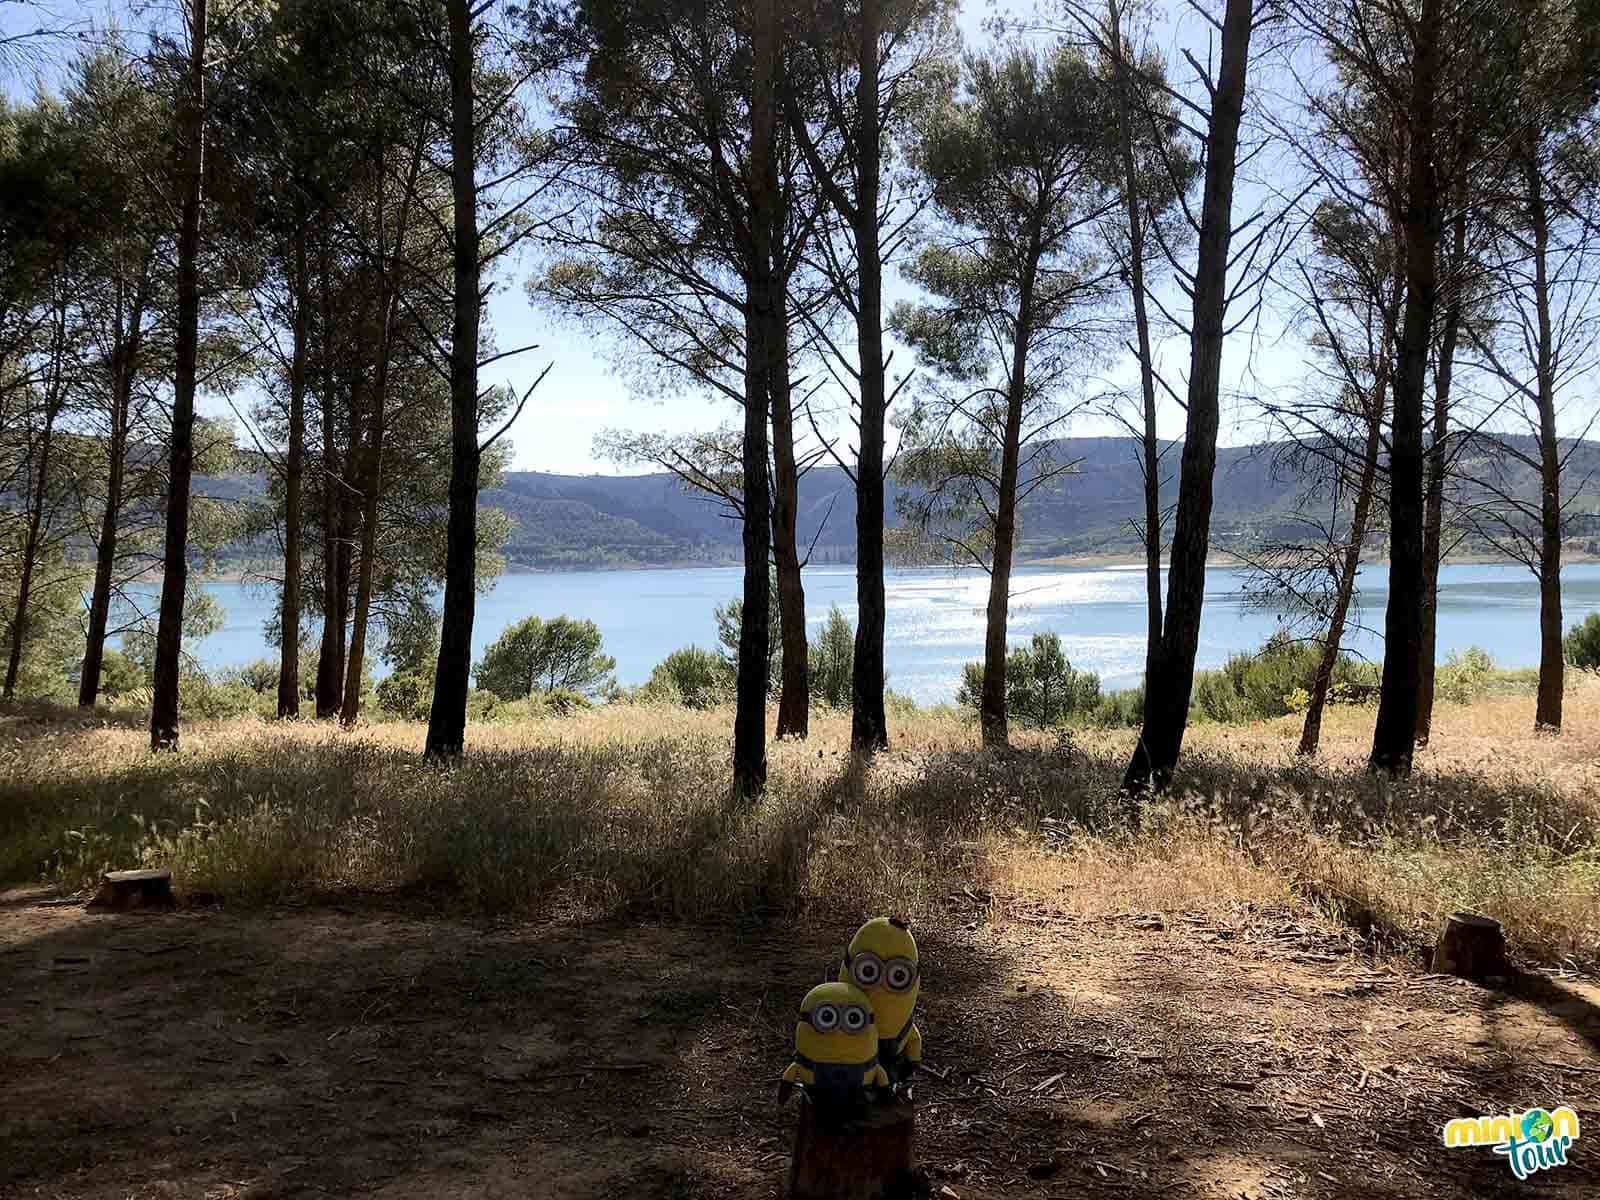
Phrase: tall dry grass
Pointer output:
(626, 809)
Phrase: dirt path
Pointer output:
(357, 1051)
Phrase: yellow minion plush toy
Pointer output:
(835, 1048)
(882, 962)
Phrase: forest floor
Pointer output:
(388, 1050)
(568, 966)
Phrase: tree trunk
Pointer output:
(41, 482)
(293, 483)
(124, 370)
(371, 489)
(19, 615)
(1141, 319)
(330, 659)
(761, 368)
(1311, 731)
(869, 727)
(353, 467)
(353, 486)
(794, 700)
(123, 890)
(447, 719)
(992, 705)
(871, 1157)
(1167, 690)
(1552, 661)
(1438, 462)
(175, 567)
(372, 475)
(1472, 946)
(750, 702)
(1396, 728)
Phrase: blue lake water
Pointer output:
(935, 618)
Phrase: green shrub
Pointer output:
(833, 661)
(1465, 676)
(563, 702)
(693, 677)
(1214, 698)
(484, 708)
(1582, 644)
(260, 676)
(481, 704)
(730, 628)
(898, 705)
(1118, 710)
(1042, 687)
(216, 699)
(52, 638)
(120, 675)
(659, 691)
(561, 654)
(1273, 682)
(507, 712)
(1353, 691)
(407, 695)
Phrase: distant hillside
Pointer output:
(568, 520)
(652, 520)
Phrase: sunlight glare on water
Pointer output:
(936, 618)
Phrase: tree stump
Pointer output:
(1471, 946)
(866, 1157)
(122, 890)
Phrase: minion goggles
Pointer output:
(867, 970)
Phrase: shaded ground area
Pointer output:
(353, 1050)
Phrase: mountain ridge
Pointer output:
(654, 520)
(564, 522)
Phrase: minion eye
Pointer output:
(825, 1017)
(855, 1019)
(899, 976)
(867, 971)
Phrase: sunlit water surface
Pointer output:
(936, 617)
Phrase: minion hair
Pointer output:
(900, 922)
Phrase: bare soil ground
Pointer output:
(387, 1051)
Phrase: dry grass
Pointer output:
(626, 809)
(1497, 818)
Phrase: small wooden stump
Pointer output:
(1471, 946)
(123, 890)
(869, 1157)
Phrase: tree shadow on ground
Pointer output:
(1578, 1010)
(16, 715)
(328, 1050)
(336, 1051)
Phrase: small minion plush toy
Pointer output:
(835, 1049)
(882, 962)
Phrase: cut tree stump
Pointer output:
(122, 890)
(1473, 947)
(869, 1157)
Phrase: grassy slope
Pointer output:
(622, 809)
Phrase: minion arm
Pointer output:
(911, 1046)
(794, 1074)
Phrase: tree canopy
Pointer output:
(559, 654)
